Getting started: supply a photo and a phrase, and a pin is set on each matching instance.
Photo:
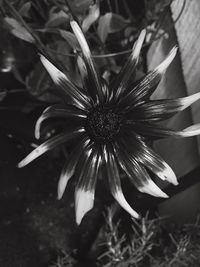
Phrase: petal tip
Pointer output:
(59, 193)
(175, 183)
(53, 71)
(84, 202)
(122, 201)
(143, 33)
(164, 195)
(152, 189)
(37, 134)
(59, 197)
(62, 183)
(21, 164)
(138, 44)
(167, 61)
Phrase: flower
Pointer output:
(113, 125)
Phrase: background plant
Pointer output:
(111, 27)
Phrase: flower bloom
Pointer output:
(113, 124)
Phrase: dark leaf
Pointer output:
(110, 23)
(103, 26)
(81, 5)
(118, 23)
(91, 17)
(18, 30)
(70, 38)
(57, 18)
(24, 10)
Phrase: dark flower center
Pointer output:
(103, 124)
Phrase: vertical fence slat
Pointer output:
(188, 34)
(181, 154)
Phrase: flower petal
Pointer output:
(119, 197)
(91, 68)
(58, 111)
(127, 73)
(86, 80)
(61, 80)
(158, 166)
(50, 144)
(154, 130)
(190, 131)
(85, 190)
(114, 181)
(151, 130)
(137, 174)
(69, 167)
(152, 189)
(151, 160)
(83, 73)
(146, 86)
(162, 109)
(84, 202)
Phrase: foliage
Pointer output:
(148, 244)
(64, 260)
(110, 27)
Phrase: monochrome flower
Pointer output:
(112, 125)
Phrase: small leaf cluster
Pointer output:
(149, 243)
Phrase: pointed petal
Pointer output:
(84, 202)
(63, 180)
(91, 68)
(92, 16)
(146, 86)
(152, 189)
(61, 80)
(85, 190)
(165, 64)
(69, 167)
(147, 129)
(157, 165)
(138, 175)
(50, 144)
(86, 80)
(119, 197)
(153, 130)
(58, 111)
(114, 181)
(83, 72)
(148, 158)
(162, 109)
(127, 73)
(190, 131)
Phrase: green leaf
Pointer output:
(117, 23)
(70, 38)
(24, 10)
(110, 23)
(104, 26)
(57, 18)
(92, 16)
(18, 30)
(81, 5)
